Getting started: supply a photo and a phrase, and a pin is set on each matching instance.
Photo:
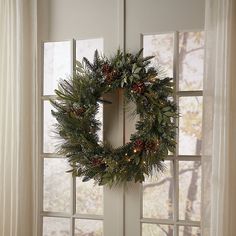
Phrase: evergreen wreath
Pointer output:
(77, 104)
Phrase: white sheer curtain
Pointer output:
(17, 117)
(219, 151)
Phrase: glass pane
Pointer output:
(189, 231)
(57, 64)
(89, 198)
(191, 60)
(158, 194)
(56, 185)
(86, 48)
(51, 140)
(190, 125)
(88, 228)
(162, 47)
(189, 190)
(56, 226)
(154, 230)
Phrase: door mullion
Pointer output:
(175, 162)
(73, 179)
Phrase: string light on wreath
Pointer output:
(77, 104)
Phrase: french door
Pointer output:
(169, 203)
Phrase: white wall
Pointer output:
(80, 19)
(66, 19)
(152, 16)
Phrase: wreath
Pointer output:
(77, 104)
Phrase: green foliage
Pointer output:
(77, 105)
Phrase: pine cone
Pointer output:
(79, 111)
(109, 78)
(138, 88)
(139, 145)
(106, 69)
(96, 162)
(151, 145)
(109, 73)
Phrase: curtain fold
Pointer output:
(17, 117)
(219, 128)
